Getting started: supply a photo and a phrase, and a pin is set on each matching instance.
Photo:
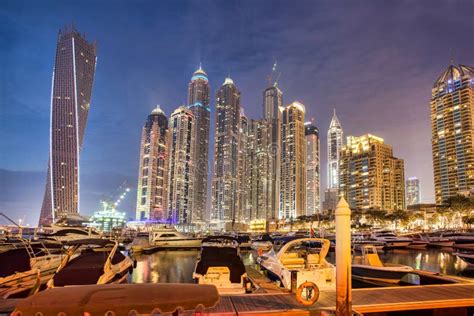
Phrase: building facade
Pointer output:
(412, 190)
(370, 177)
(226, 148)
(71, 91)
(198, 102)
(260, 171)
(243, 185)
(313, 200)
(293, 169)
(181, 167)
(152, 189)
(452, 126)
(335, 142)
(272, 107)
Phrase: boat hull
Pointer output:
(381, 275)
(396, 244)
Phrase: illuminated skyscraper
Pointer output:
(152, 191)
(243, 185)
(226, 148)
(312, 169)
(181, 166)
(452, 126)
(293, 169)
(71, 91)
(259, 170)
(272, 102)
(335, 142)
(370, 177)
(412, 191)
(198, 102)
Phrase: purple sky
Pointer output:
(375, 61)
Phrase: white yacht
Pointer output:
(170, 238)
(391, 240)
(262, 243)
(307, 258)
(369, 268)
(220, 264)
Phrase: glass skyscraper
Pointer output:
(73, 76)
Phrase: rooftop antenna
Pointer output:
(276, 81)
(452, 56)
(270, 76)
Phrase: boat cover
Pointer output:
(121, 299)
(13, 261)
(221, 257)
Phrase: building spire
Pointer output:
(334, 120)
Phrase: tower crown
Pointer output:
(228, 81)
(199, 74)
(453, 73)
(334, 121)
(158, 110)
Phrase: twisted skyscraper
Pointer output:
(71, 91)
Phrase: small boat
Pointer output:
(99, 262)
(359, 240)
(467, 257)
(220, 264)
(418, 241)
(369, 268)
(25, 268)
(391, 240)
(262, 243)
(170, 238)
(244, 241)
(460, 239)
(305, 257)
(439, 242)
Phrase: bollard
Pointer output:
(343, 259)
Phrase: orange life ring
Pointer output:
(307, 293)
(260, 251)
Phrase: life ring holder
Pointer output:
(304, 287)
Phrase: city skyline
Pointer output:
(319, 105)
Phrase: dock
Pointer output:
(456, 297)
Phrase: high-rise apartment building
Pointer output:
(198, 102)
(71, 92)
(313, 203)
(243, 185)
(224, 199)
(412, 190)
(293, 169)
(335, 142)
(370, 177)
(152, 190)
(272, 105)
(259, 170)
(181, 166)
(452, 127)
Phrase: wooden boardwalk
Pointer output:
(363, 301)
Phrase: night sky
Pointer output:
(374, 61)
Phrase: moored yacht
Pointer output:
(98, 262)
(369, 268)
(391, 240)
(25, 268)
(262, 243)
(170, 238)
(467, 257)
(220, 264)
(306, 257)
(460, 239)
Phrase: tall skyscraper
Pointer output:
(313, 203)
(226, 147)
(152, 191)
(272, 103)
(412, 191)
(370, 177)
(243, 185)
(181, 166)
(452, 127)
(71, 91)
(259, 171)
(198, 102)
(335, 142)
(293, 169)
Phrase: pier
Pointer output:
(446, 299)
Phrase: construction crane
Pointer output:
(120, 192)
(270, 76)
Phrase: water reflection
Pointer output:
(178, 266)
(165, 267)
